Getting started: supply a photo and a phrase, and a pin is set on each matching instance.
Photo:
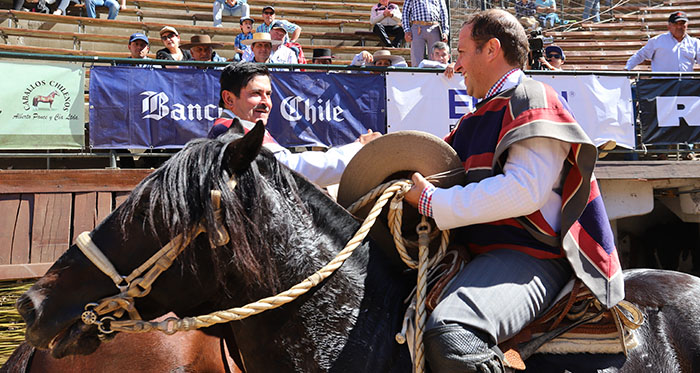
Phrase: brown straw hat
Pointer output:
(196, 40)
(397, 156)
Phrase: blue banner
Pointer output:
(325, 109)
(133, 107)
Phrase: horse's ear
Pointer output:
(241, 152)
(236, 127)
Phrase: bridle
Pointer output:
(138, 283)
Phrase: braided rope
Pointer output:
(173, 324)
(425, 235)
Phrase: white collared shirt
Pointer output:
(530, 176)
(322, 168)
(668, 54)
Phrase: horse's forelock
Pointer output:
(177, 197)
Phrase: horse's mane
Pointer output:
(176, 197)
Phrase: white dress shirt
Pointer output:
(668, 54)
(530, 176)
(322, 168)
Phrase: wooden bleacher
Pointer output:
(608, 45)
(341, 26)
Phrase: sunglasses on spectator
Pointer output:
(557, 56)
(269, 13)
(169, 36)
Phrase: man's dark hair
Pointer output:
(237, 75)
(495, 23)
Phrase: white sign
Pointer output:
(434, 104)
(671, 109)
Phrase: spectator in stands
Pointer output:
(246, 93)
(269, 18)
(262, 44)
(202, 49)
(231, 8)
(671, 51)
(112, 5)
(63, 6)
(591, 8)
(547, 12)
(322, 56)
(525, 11)
(40, 6)
(380, 58)
(279, 32)
(554, 57)
(385, 20)
(138, 46)
(172, 50)
(439, 56)
(424, 22)
(246, 33)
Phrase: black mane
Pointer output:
(176, 198)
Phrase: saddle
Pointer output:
(575, 323)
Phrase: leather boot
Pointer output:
(452, 348)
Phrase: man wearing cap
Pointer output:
(261, 46)
(322, 56)
(380, 58)
(279, 32)
(268, 13)
(246, 33)
(424, 23)
(530, 214)
(202, 49)
(231, 8)
(671, 51)
(246, 94)
(138, 45)
(554, 57)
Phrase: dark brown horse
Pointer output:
(282, 229)
(192, 351)
(45, 99)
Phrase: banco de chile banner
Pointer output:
(325, 109)
(42, 106)
(132, 107)
(669, 110)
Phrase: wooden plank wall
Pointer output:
(42, 211)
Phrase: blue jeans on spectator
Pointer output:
(113, 6)
(63, 5)
(592, 8)
(241, 9)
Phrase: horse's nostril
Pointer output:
(25, 307)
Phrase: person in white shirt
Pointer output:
(245, 94)
(671, 51)
(439, 56)
(385, 20)
(516, 156)
(261, 50)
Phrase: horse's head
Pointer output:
(168, 204)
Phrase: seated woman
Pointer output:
(172, 50)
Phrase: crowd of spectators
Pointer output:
(422, 24)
